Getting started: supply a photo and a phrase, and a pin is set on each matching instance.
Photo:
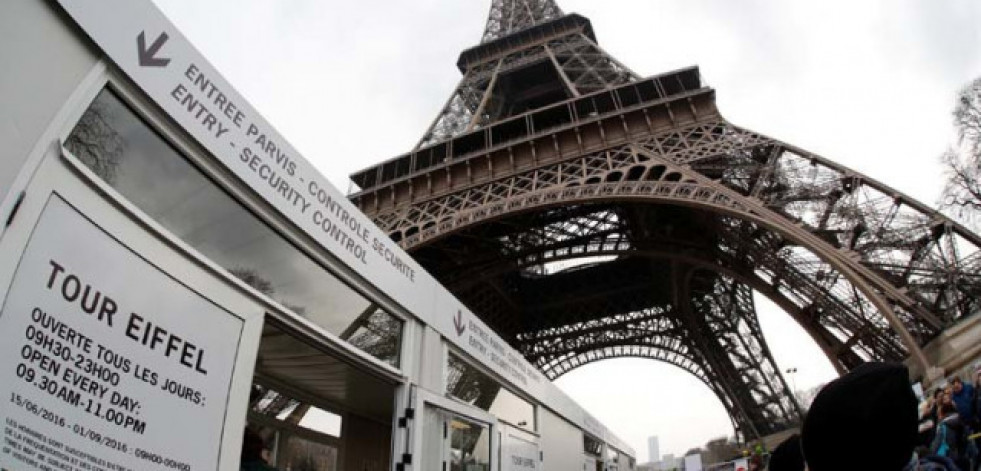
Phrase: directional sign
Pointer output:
(458, 323)
(165, 65)
(147, 55)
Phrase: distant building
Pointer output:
(692, 462)
(653, 449)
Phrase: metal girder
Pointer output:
(724, 326)
(912, 257)
(929, 276)
(492, 90)
(709, 329)
(510, 16)
(758, 263)
(587, 213)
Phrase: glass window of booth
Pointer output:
(469, 446)
(273, 404)
(295, 435)
(472, 386)
(612, 459)
(118, 146)
(592, 446)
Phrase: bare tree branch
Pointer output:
(962, 164)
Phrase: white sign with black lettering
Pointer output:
(107, 363)
(162, 62)
(520, 453)
(462, 327)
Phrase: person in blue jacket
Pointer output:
(963, 396)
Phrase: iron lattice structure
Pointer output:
(585, 213)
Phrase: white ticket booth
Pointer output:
(181, 290)
(121, 328)
(153, 307)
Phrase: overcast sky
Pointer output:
(869, 84)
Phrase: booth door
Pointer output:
(454, 443)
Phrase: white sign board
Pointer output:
(107, 363)
(520, 454)
(463, 328)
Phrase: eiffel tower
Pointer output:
(586, 212)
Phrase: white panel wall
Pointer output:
(561, 443)
(624, 462)
(44, 61)
(431, 361)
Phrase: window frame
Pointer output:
(286, 430)
(464, 358)
(586, 437)
(424, 398)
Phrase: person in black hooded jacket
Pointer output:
(864, 421)
(788, 456)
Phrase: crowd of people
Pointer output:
(870, 419)
(949, 419)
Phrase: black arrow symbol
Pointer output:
(147, 58)
(458, 323)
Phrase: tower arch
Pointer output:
(586, 212)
